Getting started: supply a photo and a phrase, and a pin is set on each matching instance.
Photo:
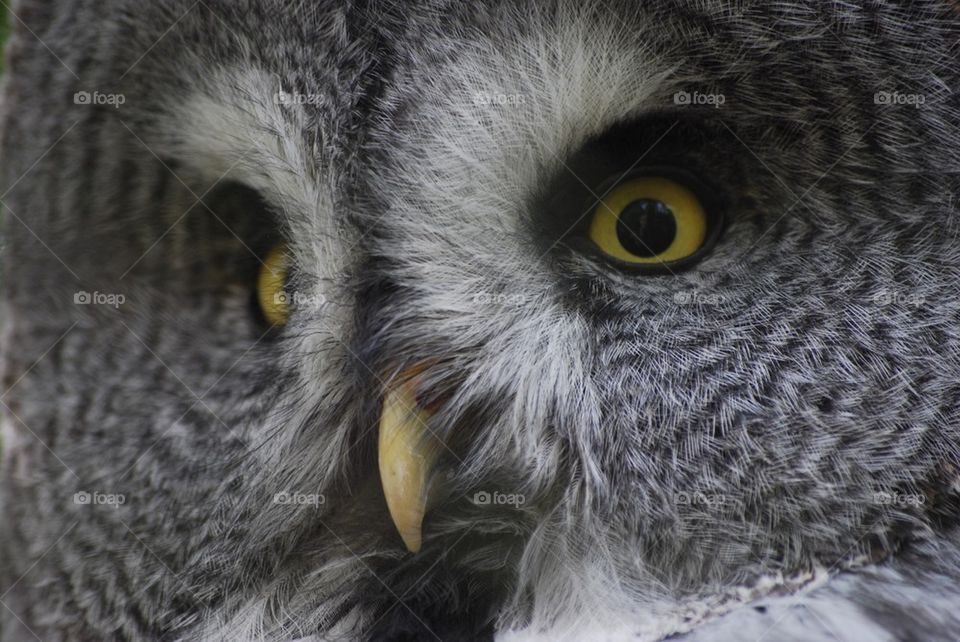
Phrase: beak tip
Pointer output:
(408, 521)
(406, 459)
(412, 541)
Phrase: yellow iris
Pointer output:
(271, 293)
(649, 220)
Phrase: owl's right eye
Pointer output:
(652, 223)
(271, 286)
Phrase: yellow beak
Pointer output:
(407, 454)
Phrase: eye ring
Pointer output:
(682, 221)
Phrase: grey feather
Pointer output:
(765, 443)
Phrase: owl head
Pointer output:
(438, 320)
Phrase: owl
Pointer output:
(433, 320)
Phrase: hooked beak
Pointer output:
(407, 455)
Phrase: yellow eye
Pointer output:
(271, 284)
(648, 220)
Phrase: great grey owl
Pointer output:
(529, 320)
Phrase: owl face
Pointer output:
(449, 321)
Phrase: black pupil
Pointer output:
(646, 227)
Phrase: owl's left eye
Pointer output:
(271, 286)
(651, 222)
